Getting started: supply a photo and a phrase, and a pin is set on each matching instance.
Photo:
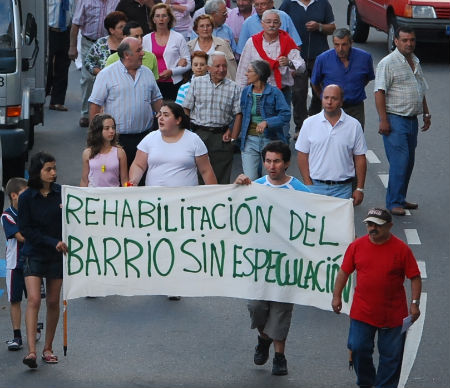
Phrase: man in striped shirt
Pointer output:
(213, 102)
(127, 91)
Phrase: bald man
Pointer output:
(127, 91)
(332, 150)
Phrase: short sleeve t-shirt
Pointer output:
(292, 184)
(172, 164)
(10, 225)
(380, 298)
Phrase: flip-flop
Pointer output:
(48, 357)
(30, 361)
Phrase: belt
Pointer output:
(404, 117)
(335, 182)
(54, 29)
(196, 127)
(89, 39)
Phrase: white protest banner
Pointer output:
(252, 242)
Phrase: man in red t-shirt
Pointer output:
(382, 261)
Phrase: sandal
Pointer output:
(49, 357)
(30, 360)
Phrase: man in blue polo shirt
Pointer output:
(252, 25)
(350, 68)
(314, 21)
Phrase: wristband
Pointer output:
(360, 189)
(426, 116)
(320, 27)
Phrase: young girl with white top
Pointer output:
(104, 161)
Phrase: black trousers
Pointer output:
(300, 97)
(58, 66)
(169, 90)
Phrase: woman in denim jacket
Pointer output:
(265, 112)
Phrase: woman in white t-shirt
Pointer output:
(172, 155)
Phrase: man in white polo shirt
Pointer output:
(331, 150)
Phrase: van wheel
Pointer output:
(392, 26)
(358, 29)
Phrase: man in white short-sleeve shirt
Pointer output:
(331, 150)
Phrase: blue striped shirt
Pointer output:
(182, 92)
(128, 100)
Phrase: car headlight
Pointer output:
(423, 12)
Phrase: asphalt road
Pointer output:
(206, 342)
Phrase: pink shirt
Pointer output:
(104, 170)
(235, 21)
(184, 20)
(159, 51)
(90, 14)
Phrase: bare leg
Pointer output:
(279, 346)
(52, 301)
(33, 285)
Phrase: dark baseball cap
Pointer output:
(378, 216)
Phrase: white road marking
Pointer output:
(384, 179)
(412, 237)
(423, 269)
(413, 337)
(371, 157)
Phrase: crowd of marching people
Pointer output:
(172, 90)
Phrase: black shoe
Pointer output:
(279, 367)
(262, 351)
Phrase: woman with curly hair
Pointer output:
(104, 160)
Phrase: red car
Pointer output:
(430, 19)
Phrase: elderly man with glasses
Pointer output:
(276, 47)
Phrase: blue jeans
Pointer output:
(287, 93)
(251, 155)
(339, 191)
(400, 146)
(390, 348)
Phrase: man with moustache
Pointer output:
(381, 261)
(331, 150)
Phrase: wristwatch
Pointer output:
(426, 116)
(360, 189)
(416, 301)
